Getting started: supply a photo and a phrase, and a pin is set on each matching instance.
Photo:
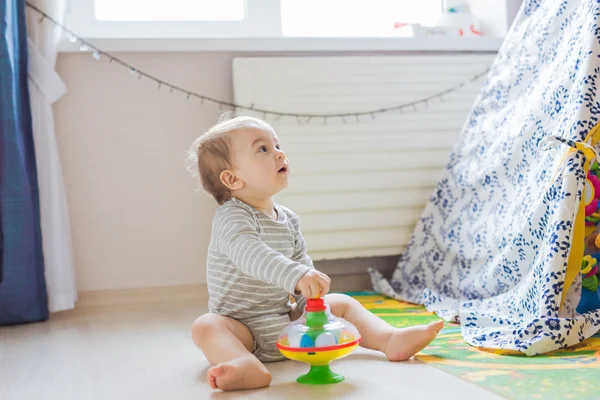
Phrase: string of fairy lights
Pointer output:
(189, 95)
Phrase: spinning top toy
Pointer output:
(317, 338)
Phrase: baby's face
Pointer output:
(259, 162)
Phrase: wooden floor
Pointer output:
(143, 350)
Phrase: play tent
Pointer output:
(500, 244)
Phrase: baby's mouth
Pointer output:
(283, 169)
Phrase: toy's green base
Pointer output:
(320, 375)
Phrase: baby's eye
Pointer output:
(263, 149)
(278, 147)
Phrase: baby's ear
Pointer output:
(230, 180)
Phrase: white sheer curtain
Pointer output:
(45, 88)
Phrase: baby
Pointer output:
(257, 258)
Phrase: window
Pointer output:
(171, 10)
(330, 18)
(246, 18)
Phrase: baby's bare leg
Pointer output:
(227, 345)
(397, 344)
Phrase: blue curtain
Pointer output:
(22, 287)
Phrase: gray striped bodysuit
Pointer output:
(254, 264)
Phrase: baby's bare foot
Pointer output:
(406, 342)
(241, 373)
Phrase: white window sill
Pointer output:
(396, 44)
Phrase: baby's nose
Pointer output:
(280, 153)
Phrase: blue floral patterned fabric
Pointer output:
(492, 245)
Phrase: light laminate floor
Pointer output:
(144, 351)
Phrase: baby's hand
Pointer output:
(313, 284)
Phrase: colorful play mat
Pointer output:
(566, 374)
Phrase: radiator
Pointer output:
(359, 187)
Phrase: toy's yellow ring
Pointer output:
(319, 358)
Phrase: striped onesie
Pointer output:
(254, 264)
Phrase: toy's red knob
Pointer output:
(315, 305)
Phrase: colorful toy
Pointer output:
(591, 199)
(590, 293)
(317, 338)
(590, 298)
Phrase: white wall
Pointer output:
(137, 220)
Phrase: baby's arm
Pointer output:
(237, 237)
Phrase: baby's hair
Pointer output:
(210, 154)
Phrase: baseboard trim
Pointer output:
(360, 282)
(103, 298)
